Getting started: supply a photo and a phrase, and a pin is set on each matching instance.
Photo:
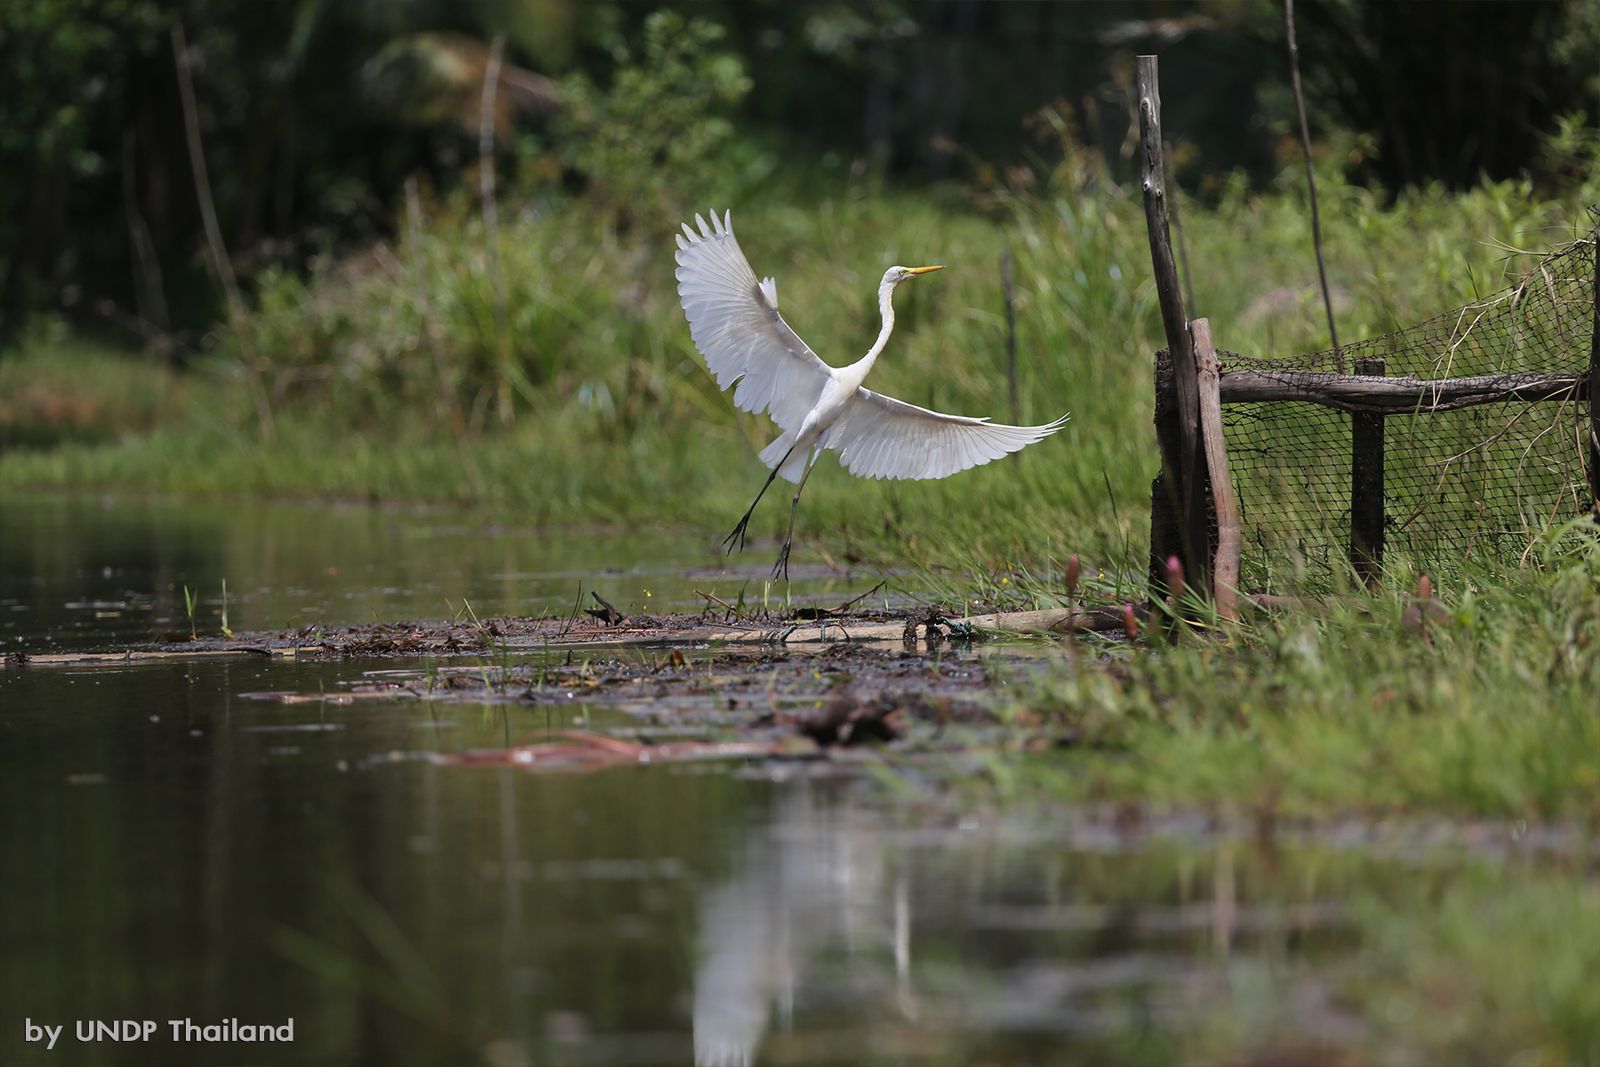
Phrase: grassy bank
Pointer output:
(395, 375)
(1478, 702)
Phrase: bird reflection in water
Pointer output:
(813, 884)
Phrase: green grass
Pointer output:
(1484, 708)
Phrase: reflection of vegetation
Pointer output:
(374, 958)
(1521, 950)
(1016, 944)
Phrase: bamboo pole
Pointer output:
(1187, 480)
(1225, 566)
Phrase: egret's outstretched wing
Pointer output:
(881, 437)
(735, 324)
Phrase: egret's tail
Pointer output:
(794, 467)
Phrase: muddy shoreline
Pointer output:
(814, 629)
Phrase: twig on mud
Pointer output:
(723, 603)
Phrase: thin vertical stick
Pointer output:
(1183, 246)
(219, 251)
(1186, 481)
(491, 223)
(1225, 568)
(1011, 333)
(1311, 177)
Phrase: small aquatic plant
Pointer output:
(189, 600)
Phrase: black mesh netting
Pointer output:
(1461, 478)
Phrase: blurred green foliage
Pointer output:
(315, 114)
(666, 111)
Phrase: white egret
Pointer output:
(735, 324)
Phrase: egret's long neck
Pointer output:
(886, 308)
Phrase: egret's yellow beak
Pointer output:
(923, 270)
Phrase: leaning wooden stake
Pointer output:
(1225, 567)
(1366, 485)
(1187, 481)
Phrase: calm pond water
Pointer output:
(173, 850)
(106, 571)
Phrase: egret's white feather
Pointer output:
(782, 451)
(735, 324)
(881, 437)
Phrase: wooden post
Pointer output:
(1166, 522)
(1366, 484)
(1187, 480)
(1224, 568)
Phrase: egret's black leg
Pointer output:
(781, 568)
(738, 533)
